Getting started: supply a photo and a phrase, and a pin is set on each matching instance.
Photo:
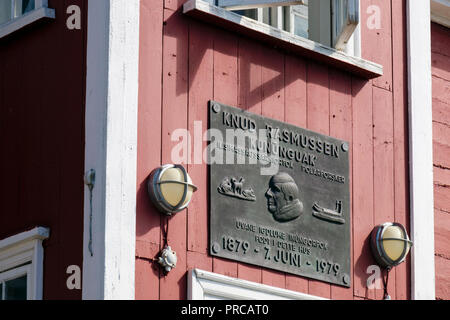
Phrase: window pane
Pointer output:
(22, 7)
(27, 6)
(300, 14)
(287, 18)
(16, 289)
(269, 15)
(250, 13)
(1, 291)
(293, 19)
(5, 11)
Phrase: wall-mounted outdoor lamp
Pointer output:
(390, 245)
(170, 188)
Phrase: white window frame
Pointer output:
(41, 11)
(291, 20)
(14, 274)
(23, 254)
(332, 29)
(204, 285)
(249, 4)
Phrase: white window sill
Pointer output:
(27, 19)
(282, 39)
(204, 285)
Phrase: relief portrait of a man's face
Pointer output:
(283, 198)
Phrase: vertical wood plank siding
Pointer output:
(185, 63)
(42, 103)
(440, 56)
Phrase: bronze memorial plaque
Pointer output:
(279, 195)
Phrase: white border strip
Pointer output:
(421, 150)
(111, 148)
(203, 285)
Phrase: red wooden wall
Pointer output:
(42, 85)
(184, 63)
(440, 53)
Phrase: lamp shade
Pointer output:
(390, 244)
(170, 188)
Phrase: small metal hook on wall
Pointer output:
(89, 180)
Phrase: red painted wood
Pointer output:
(250, 75)
(42, 100)
(287, 46)
(441, 176)
(40, 137)
(439, 39)
(249, 273)
(71, 122)
(441, 151)
(273, 107)
(225, 267)
(383, 171)
(440, 65)
(225, 91)
(146, 287)
(148, 219)
(225, 68)
(441, 133)
(255, 77)
(173, 4)
(147, 270)
(201, 79)
(249, 98)
(441, 111)
(295, 113)
(273, 278)
(441, 155)
(341, 128)
(441, 198)
(362, 184)
(318, 98)
(146, 249)
(442, 279)
(376, 45)
(273, 85)
(9, 167)
(442, 232)
(196, 260)
(318, 119)
(52, 267)
(441, 90)
(401, 137)
(31, 143)
(175, 100)
(295, 91)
